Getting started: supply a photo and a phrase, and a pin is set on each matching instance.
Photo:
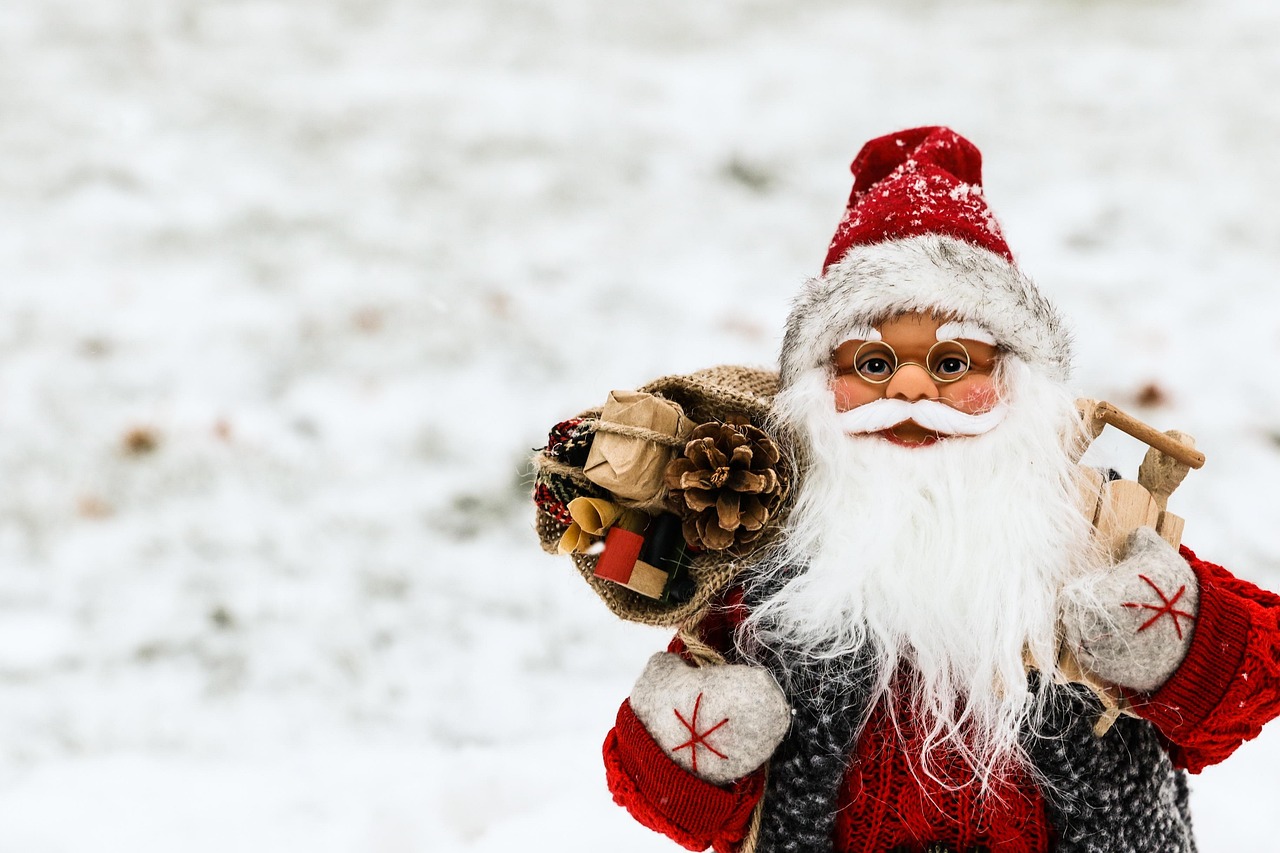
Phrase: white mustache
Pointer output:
(930, 414)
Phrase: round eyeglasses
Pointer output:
(877, 362)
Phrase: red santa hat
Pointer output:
(917, 235)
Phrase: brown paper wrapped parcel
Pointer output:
(631, 466)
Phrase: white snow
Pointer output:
(345, 261)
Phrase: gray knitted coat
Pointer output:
(1114, 794)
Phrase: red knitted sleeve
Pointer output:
(661, 794)
(1229, 684)
(665, 797)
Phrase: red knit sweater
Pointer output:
(1225, 690)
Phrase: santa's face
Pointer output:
(911, 359)
(934, 522)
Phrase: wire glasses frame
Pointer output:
(946, 362)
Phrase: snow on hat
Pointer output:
(917, 236)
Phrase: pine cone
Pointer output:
(727, 484)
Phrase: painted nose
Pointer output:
(912, 382)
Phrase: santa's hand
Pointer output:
(1132, 625)
(718, 722)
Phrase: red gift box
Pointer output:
(621, 550)
(620, 562)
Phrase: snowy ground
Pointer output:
(291, 288)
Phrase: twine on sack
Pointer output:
(640, 433)
(547, 465)
(702, 653)
(752, 838)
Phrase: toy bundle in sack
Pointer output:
(659, 494)
(908, 616)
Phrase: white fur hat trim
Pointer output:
(929, 273)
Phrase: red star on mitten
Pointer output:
(1167, 606)
(697, 738)
(1131, 625)
(718, 722)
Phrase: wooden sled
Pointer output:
(1117, 507)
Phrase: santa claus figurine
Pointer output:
(893, 674)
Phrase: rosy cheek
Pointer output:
(852, 392)
(973, 396)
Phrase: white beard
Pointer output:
(945, 561)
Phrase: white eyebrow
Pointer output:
(968, 331)
(860, 333)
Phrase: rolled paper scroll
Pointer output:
(594, 515)
(591, 518)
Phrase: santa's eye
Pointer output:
(948, 361)
(875, 367)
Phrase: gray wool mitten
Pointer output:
(1131, 625)
(718, 722)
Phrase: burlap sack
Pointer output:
(707, 395)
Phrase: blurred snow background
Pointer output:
(291, 287)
